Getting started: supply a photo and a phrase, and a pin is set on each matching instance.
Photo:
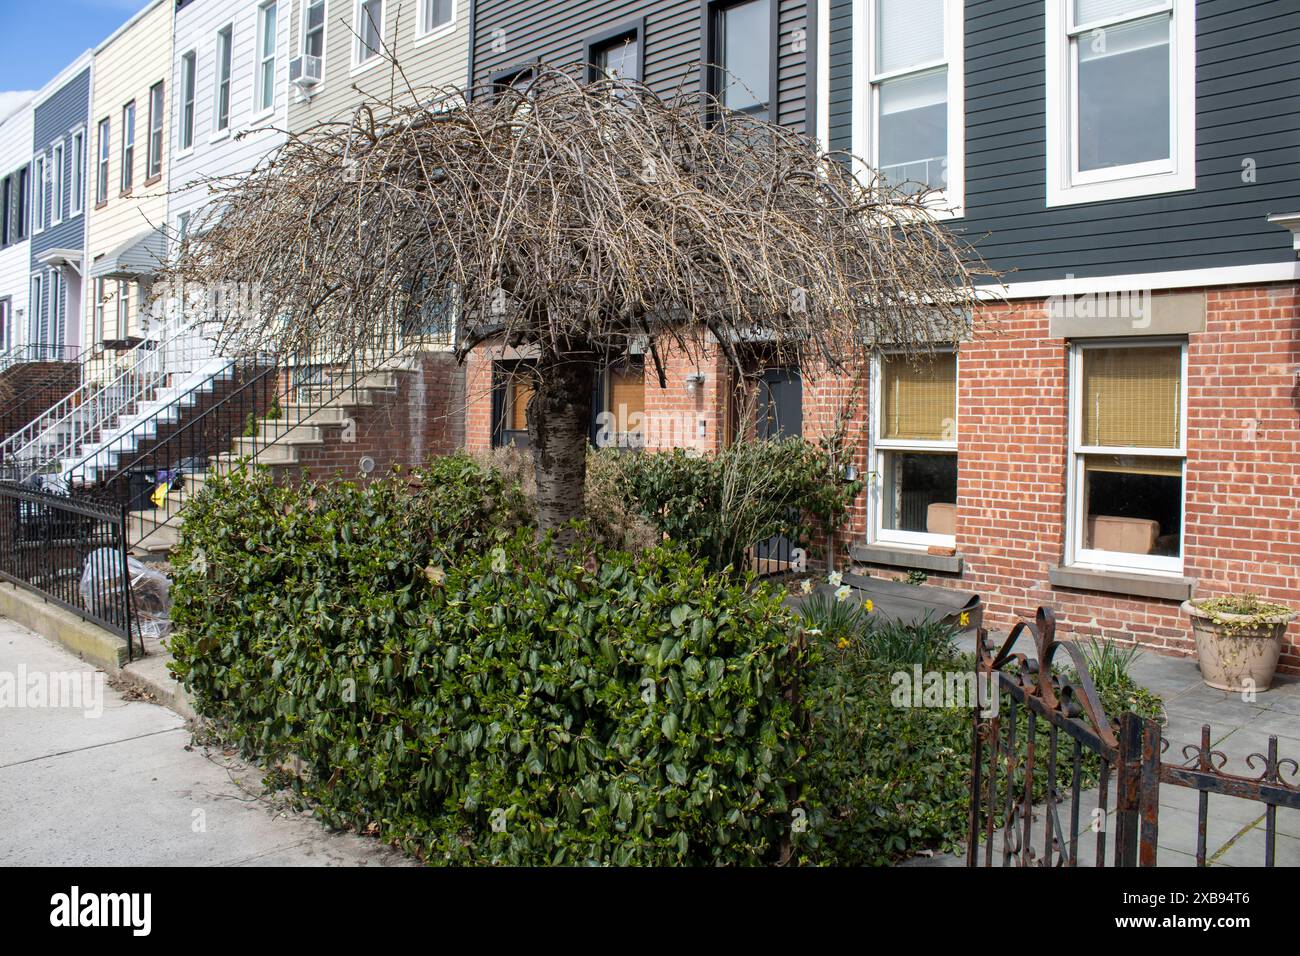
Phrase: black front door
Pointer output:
(780, 404)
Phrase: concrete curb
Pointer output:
(91, 643)
(150, 675)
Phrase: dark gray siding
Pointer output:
(1248, 106)
(56, 118)
(510, 33)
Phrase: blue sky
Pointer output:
(37, 39)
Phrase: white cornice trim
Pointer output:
(1151, 281)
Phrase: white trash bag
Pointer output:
(149, 587)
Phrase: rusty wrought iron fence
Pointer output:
(70, 551)
(1045, 755)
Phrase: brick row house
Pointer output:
(1123, 430)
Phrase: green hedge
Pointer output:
(477, 697)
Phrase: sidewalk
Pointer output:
(115, 783)
(1235, 830)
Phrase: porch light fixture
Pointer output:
(694, 381)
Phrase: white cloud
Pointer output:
(13, 100)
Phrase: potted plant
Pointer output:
(1238, 639)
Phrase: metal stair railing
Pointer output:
(83, 415)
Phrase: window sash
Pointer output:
(78, 170)
(369, 29)
(627, 48)
(267, 15)
(128, 145)
(154, 157)
(38, 193)
(1104, 458)
(1155, 167)
(101, 172)
(221, 113)
(56, 184)
(945, 175)
(1075, 27)
(429, 9)
(20, 201)
(313, 34)
(188, 67)
(726, 85)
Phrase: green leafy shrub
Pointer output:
(449, 679)
(719, 506)
(881, 782)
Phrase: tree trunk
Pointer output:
(559, 422)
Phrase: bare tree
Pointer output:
(583, 220)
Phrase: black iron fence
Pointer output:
(70, 551)
(1047, 761)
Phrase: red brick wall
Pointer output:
(29, 389)
(426, 417)
(1242, 528)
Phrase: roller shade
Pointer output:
(908, 33)
(919, 401)
(1132, 397)
(1092, 11)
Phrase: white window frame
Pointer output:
(359, 63)
(40, 173)
(223, 39)
(950, 202)
(126, 175)
(185, 90)
(157, 117)
(260, 60)
(36, 311)
(6, 324)
(1075, 554)
(78, 195)
(878, 447)
(58, 155)
(104, 147)
(1066, 185)
(425, 36)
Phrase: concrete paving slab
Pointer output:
(127, 789)
(43, 674)
(1249, 851)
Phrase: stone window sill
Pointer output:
(909, 558)
(1129, 583)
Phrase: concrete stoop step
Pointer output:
(277, 443)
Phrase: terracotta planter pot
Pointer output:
(1233, 656)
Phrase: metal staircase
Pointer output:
(119, 406)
